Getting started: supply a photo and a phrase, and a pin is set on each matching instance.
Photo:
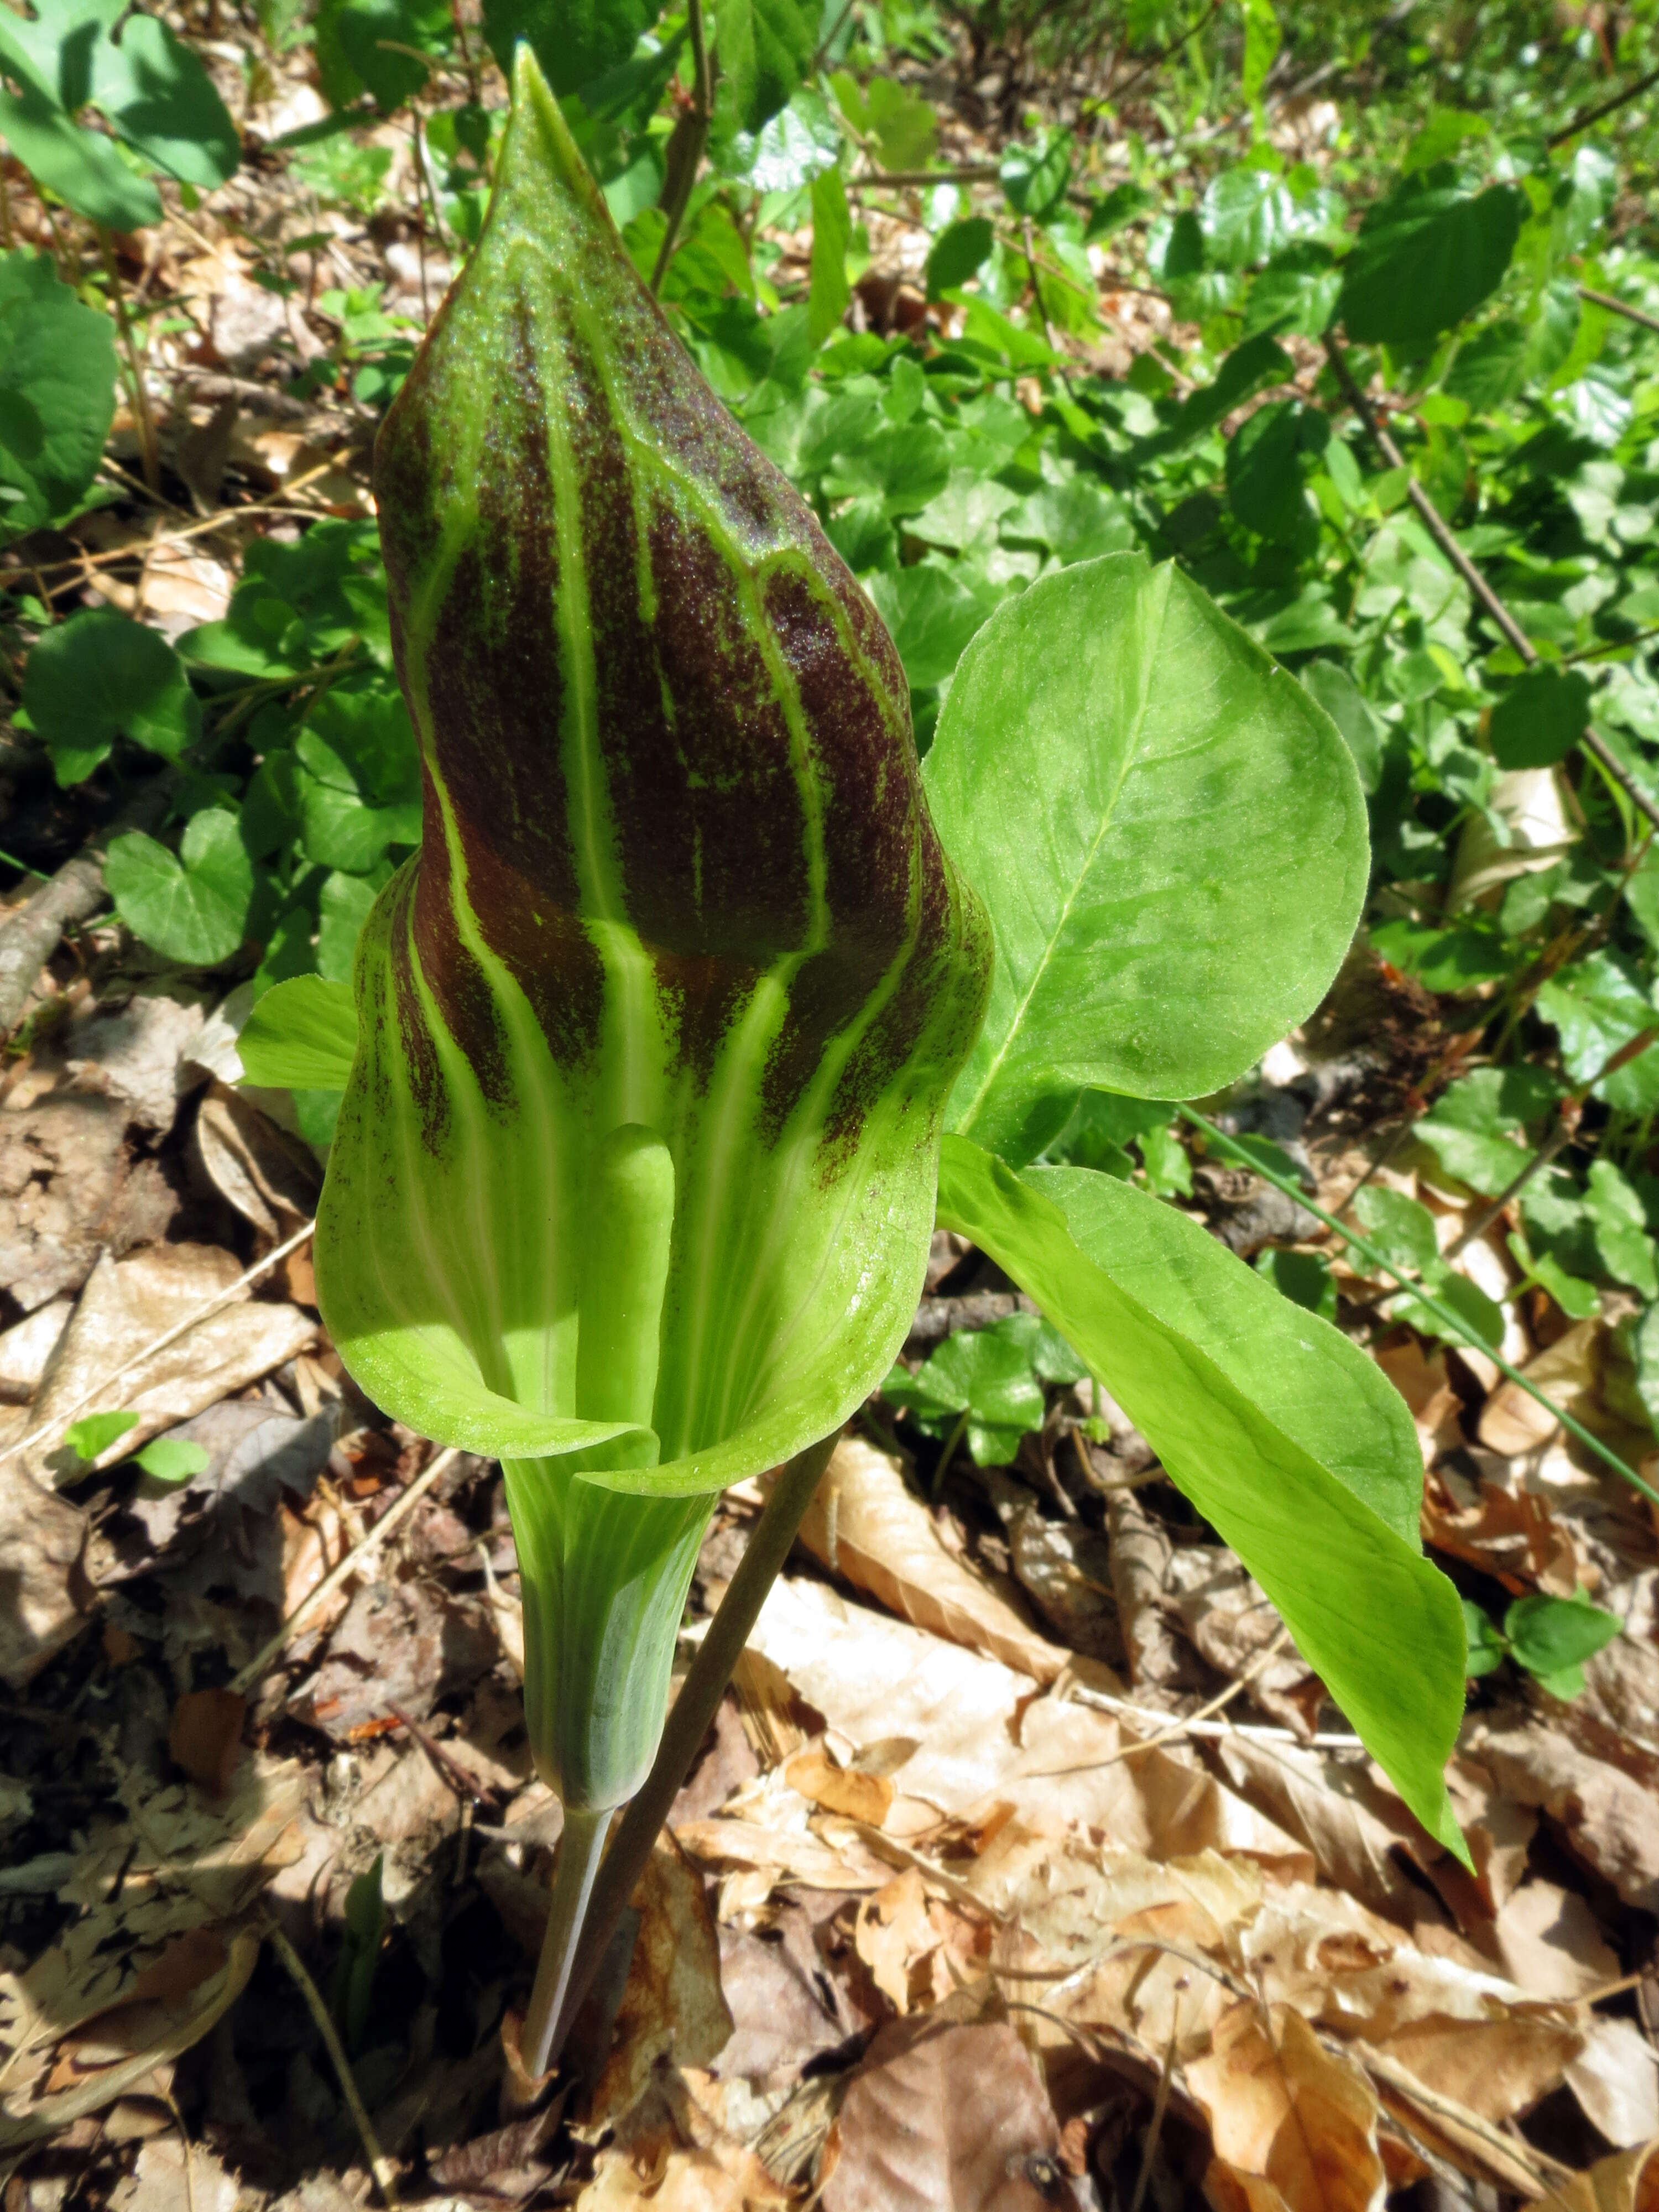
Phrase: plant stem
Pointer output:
(687, 1724)
(1446, 540)
(685, 158)
(385, 2173)
(1453, 1323)
(144, 421)
(580, 1846)
(1584, 120)
(1618, 307)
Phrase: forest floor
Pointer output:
(1026, 1863)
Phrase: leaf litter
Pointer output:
(978, 1896)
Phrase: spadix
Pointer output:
(634, 1180)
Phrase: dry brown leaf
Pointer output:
(1572, 1373)
(1294, 2125)
(268, 1177)
(1626, 2182)
(893, 1936)
(125, 1306)
(670, 2155)
(1615, 2079)
(846, 1789)
(1547, 1942)
(1422, 1380)
(106, 2072)
(63, 1166)
(47, 1594)
(1351, 1824)
(25, 1347)
(981, 1739)
(1495, 2068)
(672, 2005)
(1607, 1813)
(942, 2117)
(864, 1523)
(158, 2181)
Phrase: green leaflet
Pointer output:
(633, 1182)
(1282, 1433)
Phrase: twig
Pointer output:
(685, 156)
(1619, 308)
(394, 1517)
(204, 1312)
(1454, 1322)
(1178, 1727)
(1160, 2103)
(1446, 540)
(1566, 1129)
(1584, 120)
(32, 933)
(689, 1720)
(825, 43)
(972, 172)
(385, 2175)
(144, 421)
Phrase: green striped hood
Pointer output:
(677, 874)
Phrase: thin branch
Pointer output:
(1583, 121)
(385, 2174)
(369, 1541)
(1446, 540)
(684, 155)
(1619, 308)
(689, 1720)
(1566, 1128)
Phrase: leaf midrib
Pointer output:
(1131, 751)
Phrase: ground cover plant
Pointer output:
(1214, 502)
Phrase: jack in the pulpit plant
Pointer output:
(656, 1036)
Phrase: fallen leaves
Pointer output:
(1294, 2124)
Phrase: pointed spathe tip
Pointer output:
(540, 136)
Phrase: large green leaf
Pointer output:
(1425, 257)
(1283, 1434)
(83, 168)
(56, 393)
(101, 675)
(574, 40)
(1169, 832)
(765, 49)
(161, 98)
(300, 1036)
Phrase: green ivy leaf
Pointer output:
(100, 676)
(192, 906)
(56, 393)
(172, 1459)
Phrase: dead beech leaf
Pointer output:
(1550, 1945)
(1628, 2182)
(845, 1790)
(1294, 2125)
(1495, 2069)
(1615, 2081)
(1351, 1824)
(865, 1524)
(1607, 1813)
(894, 1934)
(41, 1540)
(1423, 1381)
(108, 2072)
(672, 2004)
(126, 1305)
(268, 1177)
(942, 2117)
